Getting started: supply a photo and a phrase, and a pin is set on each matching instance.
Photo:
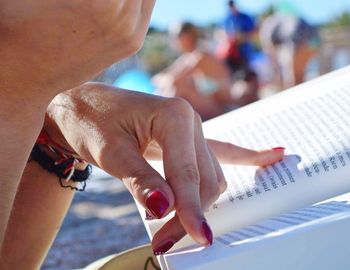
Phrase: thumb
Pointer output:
(144, 183)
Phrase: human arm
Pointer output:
(89, 119)
(39, 209)
(40, 192)
(20, 125)
(45, 48)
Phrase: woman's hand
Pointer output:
(115, 129)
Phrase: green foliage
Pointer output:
(157, 53)
(342, 20)
(268, 12)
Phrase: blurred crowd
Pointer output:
(227, 77)
(237, 60)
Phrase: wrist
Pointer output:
(53, 131)
(53, 158)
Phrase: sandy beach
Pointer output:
(102, 220)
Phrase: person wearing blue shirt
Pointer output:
(238, 23)
(239, 28)
(238, 48)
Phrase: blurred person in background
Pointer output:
(200, 78)
(291, 42)
(238, 47)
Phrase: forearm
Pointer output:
(20, 124)
(39, 209)
(183, 67)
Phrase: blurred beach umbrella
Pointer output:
(136, 80)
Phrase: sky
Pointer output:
(208, 11)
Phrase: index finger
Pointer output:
(233, 154)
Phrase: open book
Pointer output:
(276, 217)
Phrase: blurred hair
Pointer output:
(184, 28)
(231, 3)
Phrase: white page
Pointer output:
(294, 240)
(311, 121)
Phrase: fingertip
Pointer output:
(163, 247)
(208, 233)
(279, 148)
(173, 231)
(199, 230)
(146, 185)
(169, 234)
(279, 151)
(269, 157)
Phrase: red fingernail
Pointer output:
(279, 148)
(157, 204)
(207, 232)
(163, 248)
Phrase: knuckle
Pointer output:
(187, 179)
(178, 107)
(185, 207)
(135, 184)
(138, 178)
(190, 174)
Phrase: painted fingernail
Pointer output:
(279, 148)
(164, 248)
(157, 204)
(207, 232)
(148, 216)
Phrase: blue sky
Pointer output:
(204, 11)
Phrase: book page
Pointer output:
(311, 121)
(318, 229)
(287, 222)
